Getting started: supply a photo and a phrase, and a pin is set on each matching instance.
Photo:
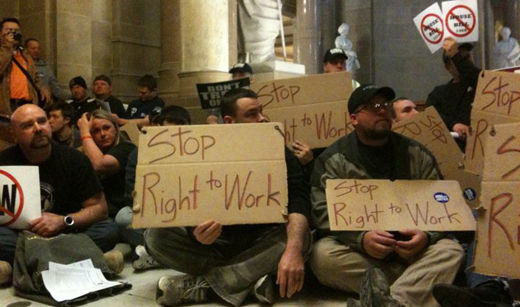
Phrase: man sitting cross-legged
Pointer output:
(367, 262)
(233, 261)
(72, 197)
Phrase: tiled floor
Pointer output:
(143, 294)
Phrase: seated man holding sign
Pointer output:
(72, 197)
(411, 260)
(236, 260)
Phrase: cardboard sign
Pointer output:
(313, 109)
(461, 20)
(234, 174)
(355, 204)
(496, 101)
(20, 202)
(431, 26)
(502, 154)
(498, 237)
(428, 129)
(210, 94)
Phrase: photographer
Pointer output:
(18, 79)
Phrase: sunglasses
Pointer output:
(376, 107)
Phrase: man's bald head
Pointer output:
(31, 130)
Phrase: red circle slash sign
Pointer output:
(14, 215)
(467, 27)
(432, 28)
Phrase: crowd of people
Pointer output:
(87, 173)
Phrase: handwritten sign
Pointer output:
(210, 94)
(428, 129)
(395, 205)
(234, 174)
(498, 244)
(20, 202)
(496, 101)
(313, 109)
(498, 236)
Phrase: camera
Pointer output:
(17, 36)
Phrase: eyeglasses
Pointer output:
(376, 107)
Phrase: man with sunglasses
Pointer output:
(367, 262)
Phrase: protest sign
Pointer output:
(498, 232)
(210, 94)
(20, 201)
(428, 129)
(430, 24)
(233, 174)
(313, 109)
(355, 204)
(497, 101)
(461, 20)
(498, 237)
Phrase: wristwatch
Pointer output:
(68, 220)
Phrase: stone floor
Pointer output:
(143, 294)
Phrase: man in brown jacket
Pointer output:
(15, 88)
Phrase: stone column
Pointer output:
(307, 37)
(197, 37)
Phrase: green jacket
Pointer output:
(342, 161)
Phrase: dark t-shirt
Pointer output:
(114, 184)
(139, 108)
(378, 160)
(67, 178)
(116, 106)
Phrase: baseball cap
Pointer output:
(103, 78)
(334, 54)
(241, 67)
(364, 93)
(78, 81)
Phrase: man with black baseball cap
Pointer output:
(80, 101)
(334, 60)
(411, 261)
(238, 71)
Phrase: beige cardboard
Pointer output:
(498, 238)
(470, 183)
(132, 131)
(318, 125)
(502, 153)
(211, 143)
(239, 179)
(428, 129)
(304, 90)
(481, 124)
(355, 204)
(313, 108)
(499, 93)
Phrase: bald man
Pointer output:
(72, 198)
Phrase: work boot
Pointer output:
(263, 290)
(6, 273)
(181, 289)
(125, 249)
(145, 261)
(375, 291)
(489, 293)
(115, 261)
